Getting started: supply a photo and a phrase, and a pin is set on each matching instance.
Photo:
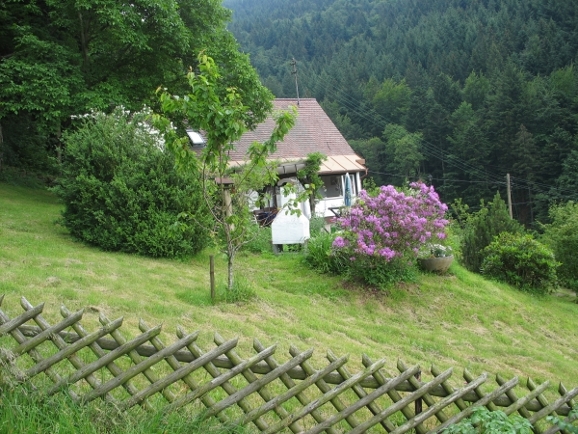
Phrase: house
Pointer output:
(313, 132)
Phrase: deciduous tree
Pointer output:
(217, 109)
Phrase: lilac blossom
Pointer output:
(393, 223)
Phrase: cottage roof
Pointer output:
(313, 132)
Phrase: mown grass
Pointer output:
(458, 320)
(23, 411)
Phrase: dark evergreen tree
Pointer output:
(510, 60)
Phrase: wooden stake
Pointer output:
(212, 276)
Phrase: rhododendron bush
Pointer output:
(389, 229)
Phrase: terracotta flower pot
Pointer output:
(439, 265)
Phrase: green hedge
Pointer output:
(121, 190)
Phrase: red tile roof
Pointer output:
(313, 132)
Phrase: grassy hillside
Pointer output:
(457, 320)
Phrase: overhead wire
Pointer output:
(429, 149)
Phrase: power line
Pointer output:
(428, 149)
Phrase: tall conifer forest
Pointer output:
(456, 93)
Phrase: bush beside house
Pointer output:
(122, 193)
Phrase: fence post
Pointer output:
(418, 402)
(212, 276)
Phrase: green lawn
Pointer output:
(458, 320)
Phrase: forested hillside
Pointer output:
(458, 93)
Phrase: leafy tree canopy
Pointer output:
(59, 58)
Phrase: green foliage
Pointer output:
(25, 145)
(481, 228)
(566, 426)
(521, 261)
(241, 292)
(64, 58)
(377, 273)
(220, 111)
(24, 178)
(309, 175)
(26, 411)
(561, 235)
(258, 239)
(316, 225)
(417, 65)
(392, 100)
(121, 191)
(321, 256)
(484, 421)
(403, 149)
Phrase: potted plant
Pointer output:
(435, 257)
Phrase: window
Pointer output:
(333, 185)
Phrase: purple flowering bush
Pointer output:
(382, 234)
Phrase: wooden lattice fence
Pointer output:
(291, 396)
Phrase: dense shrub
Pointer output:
(121, 191)
(258, 239)
(321, 256)
(481, 228)
(562, 237)
(566, 425)
(484, 421)
(521, 261)
(383, 234)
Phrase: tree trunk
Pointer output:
(230, 277)
(229, 228)
(1, 147)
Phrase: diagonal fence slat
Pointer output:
(293, 391)
(420, 392)
(258, 384)
(13, 324)
(361, 393)
(563, 391)
(325, 388)
(327, 397)
(100, 363)
(46, 334)
(362, 402)
(97, 350)
(552, 407)
(274, 396)
(479, 392)
(482, 402)
(251, 378)
(67, 351)
(448, 388)
(179, 374)
(392, 393)
(289, 382)
(34, 354)
(218, 381)
(135, 357)
(175, 365)
(139, 368)
(514, 398)
(434, 409)
(227, 386)
(520, 403)
(555, 428)
(441, 416)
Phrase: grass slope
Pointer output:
(458, 320)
